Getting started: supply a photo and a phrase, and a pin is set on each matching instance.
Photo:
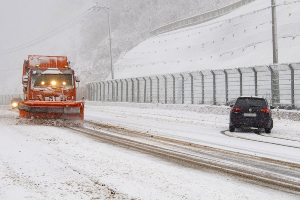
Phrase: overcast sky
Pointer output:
(24, 21)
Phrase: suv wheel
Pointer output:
(267, 130)
(231, 128)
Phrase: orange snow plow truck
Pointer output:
(49, 87)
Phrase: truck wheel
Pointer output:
(231, 128)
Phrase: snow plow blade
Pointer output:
(52, 110)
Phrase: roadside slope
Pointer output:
(242, 38)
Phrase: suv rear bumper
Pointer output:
(250, 123)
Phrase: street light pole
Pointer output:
(109, 35)
(106, 9)
(274, 32)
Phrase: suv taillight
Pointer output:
(265, 110)
(236, 109)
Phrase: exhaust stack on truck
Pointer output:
(49, 87)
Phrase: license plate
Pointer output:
(249, 114)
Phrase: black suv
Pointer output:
(251, 112)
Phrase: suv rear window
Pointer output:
(250, 102)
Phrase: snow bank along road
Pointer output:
(58, 163)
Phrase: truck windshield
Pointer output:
(52, 80)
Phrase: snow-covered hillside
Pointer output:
(242, 38)
(77, 30)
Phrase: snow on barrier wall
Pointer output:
(280, 84)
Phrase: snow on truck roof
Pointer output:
(52, 71)
(46, 62)
(56, 71)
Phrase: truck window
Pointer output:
(52, 80)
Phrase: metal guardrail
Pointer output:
(5, 99)
(280, 84)
(198, 19)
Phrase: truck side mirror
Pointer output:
(25, 78)
(77, 79)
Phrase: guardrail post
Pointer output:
(157, 89)
(255, 81)
(173, 78)
(108, 91)
(132, 90)
(121, 90)
(151, 82)
(166, 89)
(126, 90)
(100, 91)
(145, 87)
(90, 92)
(104, 99)
(95, 91)
(91, 89)
(202, 86)
(226, 86)
(138, 90)
(241, 81)
(214, 87)
(192, 88)
(112, 91)
(292, 86)
(117, 91)
(113, 95)
(182, 88)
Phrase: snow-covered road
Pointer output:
(201, 128)
(42, 162)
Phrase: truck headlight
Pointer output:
(14, 105)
